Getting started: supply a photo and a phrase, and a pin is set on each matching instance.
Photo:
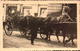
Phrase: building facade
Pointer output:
(42, 9)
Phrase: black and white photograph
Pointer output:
(39, 25)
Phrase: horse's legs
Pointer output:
(46, 37)
(57, 38)
(71, 38)
(57, 32)
(68, 40)
(64, 38)
(33, 36)
(49, 36)
(73, 42)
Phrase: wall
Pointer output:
(35, 7)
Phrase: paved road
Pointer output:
(18, 41)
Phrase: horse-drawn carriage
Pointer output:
(44, 27)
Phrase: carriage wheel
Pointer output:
(43, 36)
(8, 30)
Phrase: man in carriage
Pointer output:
(65, 16)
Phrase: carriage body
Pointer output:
(14, 23)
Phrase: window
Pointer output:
(11, 10)
(43, 12)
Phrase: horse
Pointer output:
(47, 25)
(59, 24)
(68, 27)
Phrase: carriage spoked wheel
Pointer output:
(8, 29)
